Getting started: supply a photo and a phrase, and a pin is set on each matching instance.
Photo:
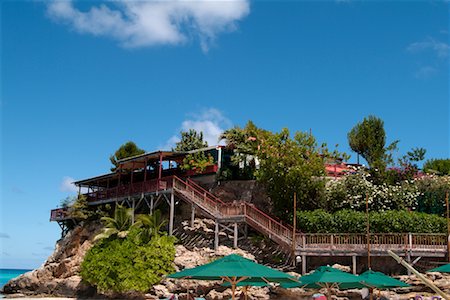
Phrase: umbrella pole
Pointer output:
(233, 287)
(328, 292)
(371, 293)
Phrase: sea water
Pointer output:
(7, 274)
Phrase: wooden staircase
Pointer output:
(212, 206)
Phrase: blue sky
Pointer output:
(78, 79)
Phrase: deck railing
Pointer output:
(58, 214)
(378, 241)
(130, 189)
(275, 229)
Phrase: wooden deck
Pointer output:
(306, 244)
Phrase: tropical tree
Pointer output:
(119, 225)
(150, 225)
(190, 140)
(292, 165)
(128, 149)
(368, 139)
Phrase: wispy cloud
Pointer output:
(49, 248)
(439, 48)
(67, 185)
(4, 235)
(211, 122)
(425, 72)
(153, 22)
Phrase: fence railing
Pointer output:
(378, 241)
(58, 214)
(130, 189)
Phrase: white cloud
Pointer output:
(425, 72)
(153, 22)
(67, 185)
(441, 49)
(210, 121)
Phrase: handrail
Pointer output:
(193, 183)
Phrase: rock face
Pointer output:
(59, 275)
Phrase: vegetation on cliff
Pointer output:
(129, 257)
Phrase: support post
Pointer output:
(294, 226)
(192, 215)
(216, 236)
(368, 232)
(354, 264)
(303, 264)
(151, 204)
(133, 206)
(172, 212)
(235, 237)
(448, 226)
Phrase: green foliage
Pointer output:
(349, 221)
(292, 165)
(150, 225)
(368, 139)
(80, 209)
(119, 225)
(197, 161)
(190, 140)
(67, 202)
(128, 149)
(432, 194)
(129, 264)
(437, 166)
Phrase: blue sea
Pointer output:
(7, 274)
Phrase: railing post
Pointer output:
(332, 241)
(303, 241)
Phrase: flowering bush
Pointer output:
(351, 191)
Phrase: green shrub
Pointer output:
(128, 264)
(349, 221)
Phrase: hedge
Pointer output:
(349, 221)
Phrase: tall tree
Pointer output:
(368, 139)
(128, 149)
(292, 164)
(190, 140)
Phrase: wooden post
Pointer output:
(216, 236)
(354, 264)
(294, 227)
(368, 232)
(159, 169)
(448, 226)
(133, 206)
(192, 215)
(304, 264)
(235, 237)
(171, 213)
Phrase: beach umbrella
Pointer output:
(233, 269)
(327, 277)
(380, 280)
(441, 269)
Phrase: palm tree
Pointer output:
(150, 225)
(120, 225)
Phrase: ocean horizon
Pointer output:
(8, 274)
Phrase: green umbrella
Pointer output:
(380, 281)
(327, 277)
(442, 269)
(233, 269)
